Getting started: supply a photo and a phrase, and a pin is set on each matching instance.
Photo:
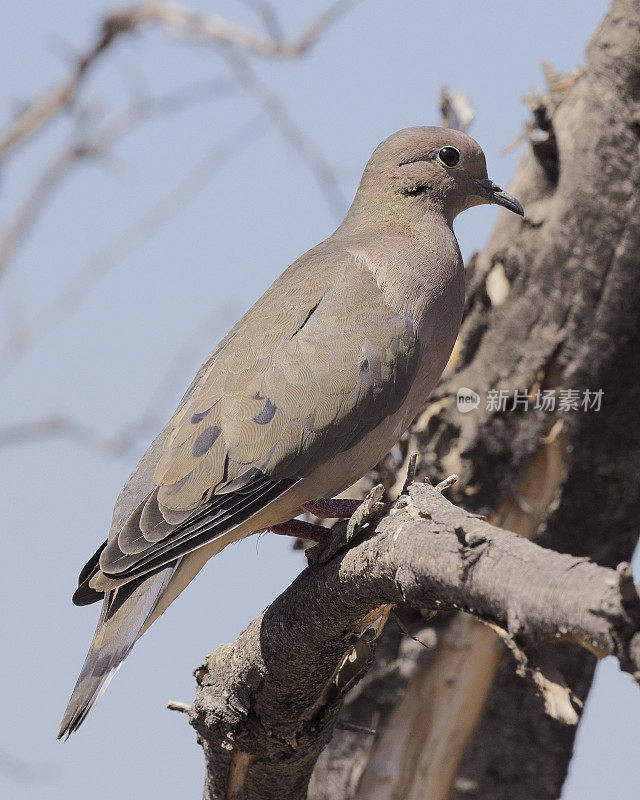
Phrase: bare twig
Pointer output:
(268, 15)
(178, 21)
(447, 483)
(14, 233)
(178, 705)
(95, 145)
(204, 28)
(456, 109)
(411, 473)
(66, 427)
(293, 133)
(123, 441)
(23, 772)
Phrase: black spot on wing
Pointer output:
(266, 414)
(200, 415)
(206, 439)
(311, 311)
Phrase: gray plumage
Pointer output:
(306, 393)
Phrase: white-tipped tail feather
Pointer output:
(125, 612)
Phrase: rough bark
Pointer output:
(553, 302)
(267, 704)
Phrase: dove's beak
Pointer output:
(494, 194)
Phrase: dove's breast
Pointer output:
(432, 287)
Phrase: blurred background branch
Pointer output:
(93, 138)
(180, 22)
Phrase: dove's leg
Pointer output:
(324, 508)
(332, 508)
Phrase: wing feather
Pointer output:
(115, 564)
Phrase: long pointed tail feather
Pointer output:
(125, 612)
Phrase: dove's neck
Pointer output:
(408, 243)
(414, 272)
(381, 206)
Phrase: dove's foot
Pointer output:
(342, 538)
(358, 512)
(332, 508)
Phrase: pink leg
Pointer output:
(332, 508)
(302, 530)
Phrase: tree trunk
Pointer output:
(553, 303)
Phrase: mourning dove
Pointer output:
(305, 394)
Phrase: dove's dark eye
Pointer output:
(449, 156)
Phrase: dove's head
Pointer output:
(421, 169)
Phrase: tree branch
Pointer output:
(268, 703)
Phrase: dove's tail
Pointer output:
(125, 612)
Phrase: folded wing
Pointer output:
(298, 380)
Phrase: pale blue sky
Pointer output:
(377, 70)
